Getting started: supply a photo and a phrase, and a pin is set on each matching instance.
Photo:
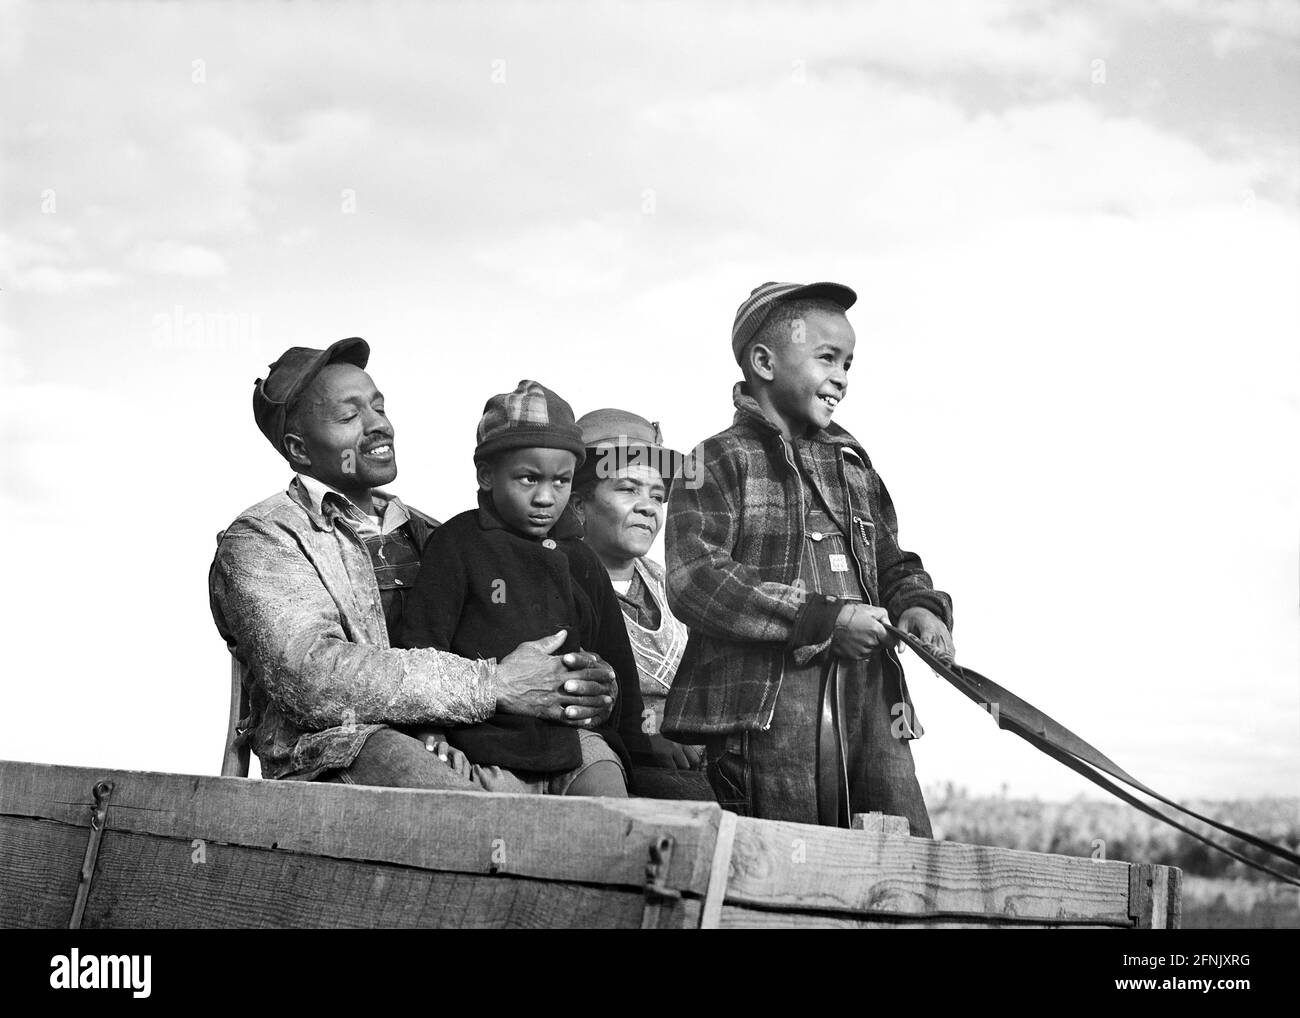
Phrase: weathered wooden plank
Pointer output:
(1175, 906)
(334, 855)
(1140, 895)
(1150, 901)
(819, 868)
(1159, 897)
(39, 863)
(880, 823)
(601, 841)
(145, 881)
(737, 917)
(719, 873)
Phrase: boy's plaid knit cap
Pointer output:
(755, 308)
(531, 417)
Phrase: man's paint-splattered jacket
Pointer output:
(294, 594)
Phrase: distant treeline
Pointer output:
(1113, 830)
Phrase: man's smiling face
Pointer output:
(340, 434)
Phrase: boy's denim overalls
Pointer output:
(773, 774)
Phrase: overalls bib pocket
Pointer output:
(827, 565)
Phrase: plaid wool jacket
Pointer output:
(733, 543)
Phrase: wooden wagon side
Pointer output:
(187, 851)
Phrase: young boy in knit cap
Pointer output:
(493, 577)
(783, 559)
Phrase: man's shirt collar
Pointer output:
(389, 508)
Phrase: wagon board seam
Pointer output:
(308, 853)
(866, 915)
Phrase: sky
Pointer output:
(1074, 230)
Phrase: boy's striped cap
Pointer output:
(755, 308)
(531, 417)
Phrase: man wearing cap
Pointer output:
(306, 585)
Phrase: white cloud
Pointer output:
(51, 259)
(13, 38)
(1241, 25)
(13, 369)
(171, 259)
(562, 261)
(1005, 39)
(58, 281)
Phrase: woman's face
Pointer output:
(625, 512)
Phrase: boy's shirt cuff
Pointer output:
(814, 626)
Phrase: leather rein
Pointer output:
(1058, 742)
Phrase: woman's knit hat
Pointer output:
(531, 417)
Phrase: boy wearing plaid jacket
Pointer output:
(783, 559)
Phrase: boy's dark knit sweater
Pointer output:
(483, 589)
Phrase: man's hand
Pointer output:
(577, 689)
(927, 627)
(858, 631)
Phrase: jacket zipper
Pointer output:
(798, 480)
(862, 575)
(862, 529)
